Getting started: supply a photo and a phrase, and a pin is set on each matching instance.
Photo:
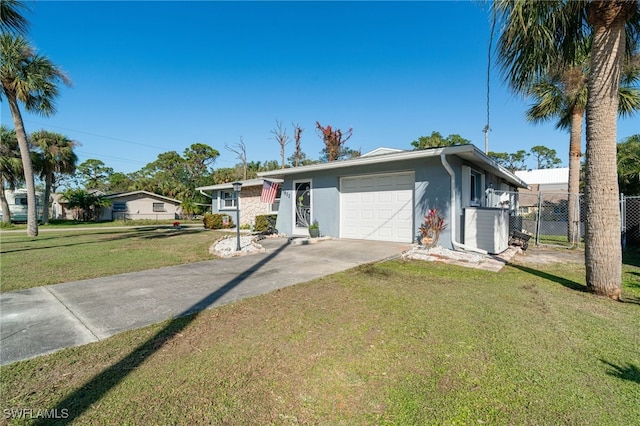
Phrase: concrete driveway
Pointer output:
(46, 319)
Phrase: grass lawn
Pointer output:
(61, 256)
(395, 343)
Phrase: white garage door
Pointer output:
(377, 207)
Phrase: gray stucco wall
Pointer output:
(432, 189)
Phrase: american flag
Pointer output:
(269, 192)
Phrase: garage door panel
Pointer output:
(377, 207)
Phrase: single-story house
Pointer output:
(386, 196)
(546, 180)
(135, 205)
(223, 199)
(551, 184)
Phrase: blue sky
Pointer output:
(151, 77)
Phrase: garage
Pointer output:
(377, 207)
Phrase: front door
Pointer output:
(302, 207)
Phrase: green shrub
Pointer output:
(5, 225)
(262, 222)
(217, 221)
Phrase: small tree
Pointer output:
(545, 157)
(87, 205)
(436, 140)
(333, 139)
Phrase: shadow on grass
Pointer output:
(631, 256)
(629, 372)
(92, 391)
(573, 285)
(128, 234)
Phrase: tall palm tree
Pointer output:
(11, 18)
(31, 79)
(57, 158)
(531, 33)
(10, 168)
(562, 95)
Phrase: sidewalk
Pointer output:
(46, 319)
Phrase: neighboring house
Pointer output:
(17, 201)
(551, 184)
(385, 197)
(135, 205)
(546, 180)
(223, 200)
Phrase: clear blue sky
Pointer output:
(151, 77)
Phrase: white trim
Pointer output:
(469, 153)
(221, 206)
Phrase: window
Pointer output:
(119, 207)
(227, 200)
(273, 208)
(472, 187)
(158, 207)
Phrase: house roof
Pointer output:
(150, 194)
(545, 176)
(469, 153)
(245, 183)
(381, 150)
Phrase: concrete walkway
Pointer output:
(46, 319)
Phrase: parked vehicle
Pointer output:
(18, 205)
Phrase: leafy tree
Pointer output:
(57, 157)
(346, 153)
(546, 158)
(198, 160)
(532, 32)
(334, 141)
(32, 80)
(629, 165)
(301, 159)
(512, 162)
(11, 173)
(562, 95)
(436, 140)
(87, 204)
(119, 182)
(94, 174)
(11, 18)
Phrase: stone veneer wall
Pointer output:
(250, 205)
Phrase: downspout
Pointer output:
(456, 244)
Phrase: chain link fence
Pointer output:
(557, 218)
(630, 209)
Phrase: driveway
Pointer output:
(46, 319)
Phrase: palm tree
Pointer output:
(629, 165)
(31, 79)
(10, 168)
(11, 18)
(532, 31)
(562, 95)
(57, 158)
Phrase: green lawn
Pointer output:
(393, 343)
(55, 257)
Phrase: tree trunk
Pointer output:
(25, 155)
(48, 183)
(6, 211)
(575, 153)
(603, 250)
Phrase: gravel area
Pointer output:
(226, 246)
